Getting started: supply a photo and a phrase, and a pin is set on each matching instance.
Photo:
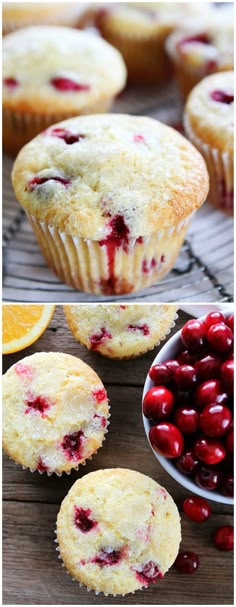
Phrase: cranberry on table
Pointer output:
(208, 392)
(193, 335)
(224, 538)
(208, 367)
(185, 377)
(214, 318)
(187, 419)
(220, 337)
(187, 562)
(196, 508)
(160, 374)
(215, 420)
(209, 450)
(207, 477)
(227, 376)
(166, 439)
(186, 463)
(158, 403)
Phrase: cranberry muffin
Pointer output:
(118, 531)
(139, 30)
(209, 124)
(17, 15)
(52, 73)
(202, 48)
(55, 412)
(110, 198)
(120, 331)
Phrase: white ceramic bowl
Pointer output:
(169, 351)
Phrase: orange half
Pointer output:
(22, 325)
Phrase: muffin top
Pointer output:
(50, 69)
(42, 11)
(120, 331)
(55, 411)
(106, 176)
(118, 530)
(207, 48)
(210, 110)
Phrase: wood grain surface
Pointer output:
(32, 573)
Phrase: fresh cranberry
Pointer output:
(158, 403)
(160, 374)
(148, 573)
(37, 181)
(186, 358)
(185, 377)
(215, 420)
(11, 83)
(83, 520)
(172, 365)
(224, 538)
(222, 97)
(209, 450)
(208, 367)
(196, 508)
(227, 485)
(207, 477)
(230, 322)
(99, 395)
(143, 328)
(72, 444)
(193, 335)
(67, 84)
(227, 376)
(186, 463)
(230, 442)
(166, 439)
(220, 337)
(186, 562)
(209, 392)
(41, 404)
(107, 557)
(64, 134)
(98, 339)
(214, 318)
(187, 419)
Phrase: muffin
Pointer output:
(55, 412)
(198, 50)
(118, 531)
(119, 331)
(209, 124)
(17, 15)
(52, 73)
(139, 31)
(110, 198)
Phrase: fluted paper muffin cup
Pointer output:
(104, 268)
(220, 166)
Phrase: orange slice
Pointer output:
(23, 324)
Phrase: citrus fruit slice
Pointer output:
(23, 324)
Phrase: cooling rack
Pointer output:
(203, 270)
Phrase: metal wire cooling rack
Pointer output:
(203, 270)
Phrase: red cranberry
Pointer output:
(209, 450)
(37, 403)
(172, 365)
(186, 463)
(222, 97)
(10, 82)
(230, 322)
(64, 134)
(187, 419)
(143, 328)
(185, 358)
(138, 138)
(196, 508)
(227, 485)
(71, 445)
(220, 337)
(83, 520)
(166, 439)
(158, 403)
(208, 367)
(160, 374)
(207, 477)
(99, 395)
(185, 377)
(214, 318)
(227, 376)
(37, 181)
(209, 392)
(193, 335)
(215, 420)
(41, 466)
(149, 573)
(224, 538)
(118, 228)
(97, 339)
(67, 84)
(107, 557)
(186, 562)
(230, 442)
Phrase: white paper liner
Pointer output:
(220, 168)
(83, 263)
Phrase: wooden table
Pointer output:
(32, 573)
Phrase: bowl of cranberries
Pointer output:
(188, 406)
